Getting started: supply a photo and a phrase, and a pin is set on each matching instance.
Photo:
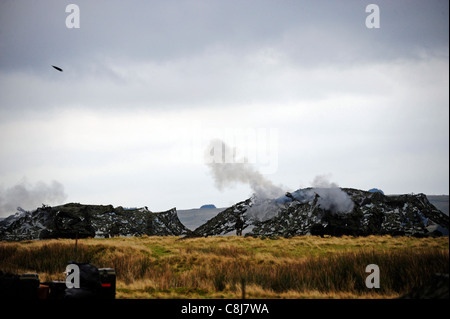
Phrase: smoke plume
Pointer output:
(228, 170)
(331, 197)
(29, 197)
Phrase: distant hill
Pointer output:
(440, 201)
(208, 206)
(193, 218)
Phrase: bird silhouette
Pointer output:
(57, 68)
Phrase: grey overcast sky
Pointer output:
(147, 84)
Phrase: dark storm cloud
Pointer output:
(198, 53)
(34, 34)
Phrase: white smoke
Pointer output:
(29, 197)
(227, 170)
(331, 197)
(322, 181)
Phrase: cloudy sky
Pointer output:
(302, 88)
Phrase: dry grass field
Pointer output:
(215, 267)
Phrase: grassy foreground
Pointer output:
(215, 267)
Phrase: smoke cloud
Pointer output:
(322, 181)
(227, 170)
(30, 196)
(331, 197)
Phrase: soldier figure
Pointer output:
(239, 226)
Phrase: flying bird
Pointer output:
(59, 69)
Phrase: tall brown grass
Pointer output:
(215, 267)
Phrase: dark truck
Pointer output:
(94, 283)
